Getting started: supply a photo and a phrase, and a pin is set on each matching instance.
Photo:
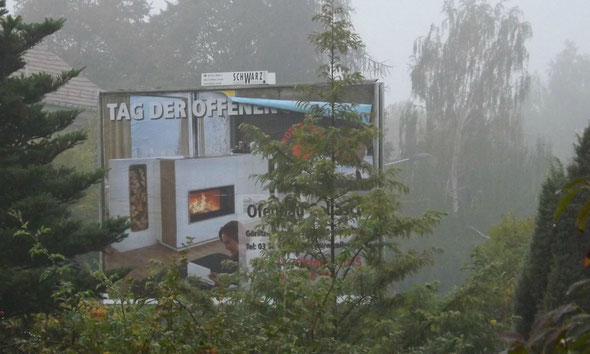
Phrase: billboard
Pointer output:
(180, 169)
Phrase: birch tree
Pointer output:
(470, 75)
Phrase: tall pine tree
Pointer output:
(533, 279)
(30, 139)
(556, 256)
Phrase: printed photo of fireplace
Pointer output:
(210, 203)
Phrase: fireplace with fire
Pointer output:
(187, 200)
(209, 203)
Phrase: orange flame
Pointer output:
(204, 202)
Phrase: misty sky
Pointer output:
(389, 28)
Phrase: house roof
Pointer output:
(79, 92)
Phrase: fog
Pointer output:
(389, 29)
(302, 213)
(489, 167)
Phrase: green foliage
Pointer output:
(343, 309)
(30, 140)
(470, 75)
(280, 305)
(84, 157)
(106, 36)
(180, 318)
(571, 190)
(235, 35)
(469, 79)
(124, 46)
(471, 318)
(565, 329)
(560, 315)
(556, 257)
(533, 281)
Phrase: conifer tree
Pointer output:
(570, 246)
(341, 228)
(30, 186)
(533, 279)
(338, 297)
(556, 256)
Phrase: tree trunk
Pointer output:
(453, 181)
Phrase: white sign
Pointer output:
(238, 78)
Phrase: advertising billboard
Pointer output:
(180, 168)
